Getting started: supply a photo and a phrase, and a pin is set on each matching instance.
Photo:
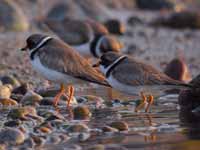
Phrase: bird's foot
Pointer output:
(150, 102)
(70, 95)
(143, 102)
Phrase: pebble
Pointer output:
(115, 26)
(21, 113)
(10, 80)
(5, 91)
(29, 143)
(96, 147)
(39, 141)
(12, 123)
(31, 98)
(11, 136)
(82, 137)
(81, 113)
(8, 102)
(22, 89)
(134, 20)
(109, 129)
(78, 128)
(120, 125)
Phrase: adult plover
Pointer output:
(132, 76)
(60, 63)
(88, 37)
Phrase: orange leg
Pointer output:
(150, 102)
(142, 104)
(71, 94)
(57, 97)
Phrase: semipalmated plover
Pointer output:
(88, 37)
(60, 63)
(132, 76)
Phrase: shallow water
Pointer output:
(165, 128)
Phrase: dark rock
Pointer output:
(10, 80)
(12, 123)
(134, 20)
(22, 89)
(179, 20)
(115, 26)
(189, 99)
(154, 4)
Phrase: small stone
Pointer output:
(97, 147)
(5, 92)
(115, 26)
(12, 123)
(55, 116)
(31, 98)
(39, 141)
(10, 80)
(48, 101)
(22, 89)
(29, 143)
(21, 113)
(83, 137)
(109, 129)
(120, 125)
(45, 130)
(134, 20)
(78, 128)
(8, 102)
(11, 136)
(81, 112)
(3, 147)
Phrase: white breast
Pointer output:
(50, 74)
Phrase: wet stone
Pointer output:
(20, 113)
(134, 20)
(78, 128)
(39, 141)
(28, 143)
(10, 80)
(120, 125)
(109, 129)
(11, 136)
(31, 98)
(83, 137)
(22, 89)
(12, 123)
(5, 92)
(81, 112)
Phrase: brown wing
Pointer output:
(133, 72)
(73, 32)
(61, 57)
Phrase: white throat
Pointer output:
(104, 69)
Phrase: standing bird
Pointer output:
(88, 37)
(60, 63)
(132, 76)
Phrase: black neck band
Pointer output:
(94, 43)
(114, 65)
(37, 48)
